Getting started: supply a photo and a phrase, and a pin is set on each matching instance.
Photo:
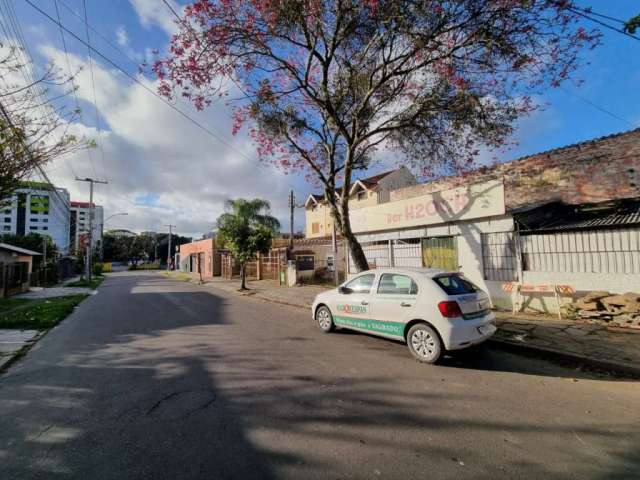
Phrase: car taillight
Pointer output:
(450, 309)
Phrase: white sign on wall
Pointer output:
(463, 203)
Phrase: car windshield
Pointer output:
(454, 284)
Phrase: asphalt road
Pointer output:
(155, 378)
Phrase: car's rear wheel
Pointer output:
(324, 319)
(424, 343)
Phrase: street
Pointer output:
(158, 378)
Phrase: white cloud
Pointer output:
(151, 151)
(156, 13)
(121, 36)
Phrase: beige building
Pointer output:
(364, 192)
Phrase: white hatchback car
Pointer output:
(429, 310)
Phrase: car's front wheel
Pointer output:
(424, 343)
(324, 319)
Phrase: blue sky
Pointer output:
(161, 167)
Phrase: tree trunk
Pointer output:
(344, 226)
(243, 285)
(355, 249)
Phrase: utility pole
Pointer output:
(169, 249)
(292, 206)
(89, 249)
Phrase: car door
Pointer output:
(352, 307)
(394, 303)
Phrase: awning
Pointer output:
(558, 216)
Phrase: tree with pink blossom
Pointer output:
(321, 86)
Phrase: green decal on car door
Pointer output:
(379, 326)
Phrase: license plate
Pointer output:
(488, 329)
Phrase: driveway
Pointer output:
(157, 378)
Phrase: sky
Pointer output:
(161, 169)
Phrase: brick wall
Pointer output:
(597, 170)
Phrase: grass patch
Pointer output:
(83, 282)
(39, 314)
(183, 277)
(7, 304)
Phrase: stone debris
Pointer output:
(606, 308)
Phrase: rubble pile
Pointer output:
(603, 307)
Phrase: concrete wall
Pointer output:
(209, 259)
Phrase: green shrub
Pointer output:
(133, 266)
(98, 268)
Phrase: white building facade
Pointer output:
(79, 224)
(41, 208)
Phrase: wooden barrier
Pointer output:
(520, 288)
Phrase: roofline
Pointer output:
(13, 248)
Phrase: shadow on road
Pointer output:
(494, 358)
(154, 379)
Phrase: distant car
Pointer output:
(429, 310)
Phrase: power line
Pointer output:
(97, 32)
(586, 14)
(75, 94)
(93, 86)
(597, 107)
(18, 43)
(207, 130)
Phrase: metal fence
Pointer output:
(588, 251)
(265, 268)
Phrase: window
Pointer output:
(33, 227)
(330, 263)
(361, 284)
(499, 258)
(7, 219)
(393, 284)
(455, 285)
(34, 220)
(7, 228)
(45, 228)
(7, 211)
(305, 262)
(440, 252)
(361, 195)
(315, 227)
(45, 220)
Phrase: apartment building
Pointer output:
(38, 207)
(79, 224)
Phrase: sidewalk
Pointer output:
(599, 346)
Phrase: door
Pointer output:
(352, 309)
(394, 303)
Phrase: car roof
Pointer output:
(429, 272)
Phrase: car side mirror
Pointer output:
(344, 290)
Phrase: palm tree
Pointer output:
(247, 229)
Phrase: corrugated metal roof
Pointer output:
(558, 216)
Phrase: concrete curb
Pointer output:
(623, 368)
(7, 360)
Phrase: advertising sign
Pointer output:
(462, 203)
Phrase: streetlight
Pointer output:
(102, 232)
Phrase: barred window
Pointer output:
(499, 257)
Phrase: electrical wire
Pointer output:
(93, 89)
